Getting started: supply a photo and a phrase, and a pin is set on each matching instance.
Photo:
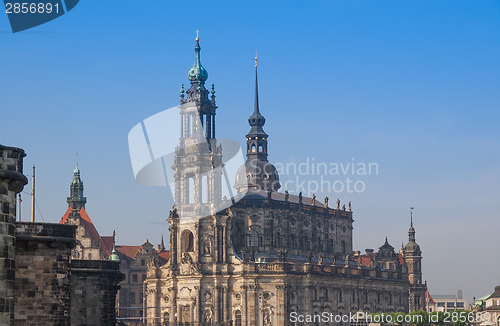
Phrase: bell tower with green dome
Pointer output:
(76, 200)
(197, 180)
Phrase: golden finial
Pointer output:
(255, 59)
(197, 36)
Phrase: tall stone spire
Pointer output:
(413, 259)
(162, 244)
(257, 173)
(76, 200)
(257, 138)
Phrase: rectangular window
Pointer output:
(143, 277)
(460, 304)
(132, 297)
(143, 262)
(134, 277)
(440, 304)
(450, 305)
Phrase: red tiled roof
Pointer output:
(165, 254)
(89, 225)
(107, 244)
(86, 220)
(428, 295)
(64, 219)
(128, 251)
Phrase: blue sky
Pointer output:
(410, 85)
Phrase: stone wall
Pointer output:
(43, 276)
(94, 285)
(12, 182)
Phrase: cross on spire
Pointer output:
(197, 36)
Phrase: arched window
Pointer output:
(340, 295)
(291, 241)
(260, 148)
(166, 319)
(187, 241)
(353, 296)
(277, 243)
(343, 247)
(237, 318)
(254, 238)
(253, 148)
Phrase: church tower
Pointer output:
(198, 157)
(200, 230)
(76, 200)
(89, 244)
(413, 260)
(258, 172)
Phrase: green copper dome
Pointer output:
(114, 256)
(197, 74)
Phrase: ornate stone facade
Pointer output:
(268, 255)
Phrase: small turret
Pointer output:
(114, 256)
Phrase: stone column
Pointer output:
(216, 303)
(197, 189)
(12, 182)
(244, 315)
(229, 313)
(250, 314)
(213, 126)
(223, 235)
(223, 316)
(280, 305)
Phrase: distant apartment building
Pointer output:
(134, 262)
(488, 307)
(448, 303)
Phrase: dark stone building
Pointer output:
(39, 282)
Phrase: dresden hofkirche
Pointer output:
(271, 254)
